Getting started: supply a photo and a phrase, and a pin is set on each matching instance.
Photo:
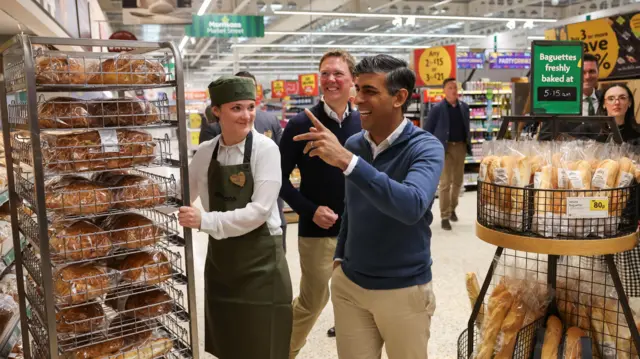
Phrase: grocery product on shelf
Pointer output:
(79, 192)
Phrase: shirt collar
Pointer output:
(332, 114)
(450, 105)
(392, 137)
(239, 145)
(593, 96)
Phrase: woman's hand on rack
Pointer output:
(190, 217)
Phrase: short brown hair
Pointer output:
(344, 55)
(447, 80)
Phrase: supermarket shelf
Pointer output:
(477, 141)
(483, 117)
(472, 161)
(470, 184)
(10, 335)
(484, 92)
(484, 130)
(477, 103)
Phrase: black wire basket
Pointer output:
(555, 213)
(525, 341)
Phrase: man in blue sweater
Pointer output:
(320, 200)
(381, 285)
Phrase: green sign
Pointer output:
(556, 78)
(215, 25)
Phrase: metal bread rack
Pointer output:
(101, 270)
(579, 268)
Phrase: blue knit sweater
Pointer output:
(385, 239)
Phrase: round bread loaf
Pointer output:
(78, 283)
(74, 241)
(132, 230)
(124, 112)
(128, 71)
(77, 320)
(52, 70)
(133, 331)
(145, 268)
(73, 195)
(64, 112)
(104, 349)
(148, 304)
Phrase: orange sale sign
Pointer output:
(434, 65)
(309, 85)
(259, 94)
(277, 89)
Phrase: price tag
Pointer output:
(587, 207)
(434, 65)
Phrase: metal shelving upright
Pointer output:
(38, 268)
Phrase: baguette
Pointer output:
(473, 290)
(618, 199)
(499, 305)
(510, 328)
(552, 338)
(154, 348)
(572, 346)
(605, 341)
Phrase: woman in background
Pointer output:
(617, 102)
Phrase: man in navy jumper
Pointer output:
(320, 201)
(381, 286)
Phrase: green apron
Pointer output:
(247, 286)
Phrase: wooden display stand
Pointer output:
(555, 248)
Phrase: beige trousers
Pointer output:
(316, 263)
(367, 319)
(452, 178)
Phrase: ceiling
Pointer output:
(207, 58)
(8, 25)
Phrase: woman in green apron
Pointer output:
(247, 285)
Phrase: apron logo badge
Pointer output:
(268, 133)
(238, 179)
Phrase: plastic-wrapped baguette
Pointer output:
(473, 290)
(552, 338)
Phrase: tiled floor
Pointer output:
(454, 253)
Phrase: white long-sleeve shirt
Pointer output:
(267, 178)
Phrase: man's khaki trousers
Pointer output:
(316, 264)
(452, 178)
(367, 319)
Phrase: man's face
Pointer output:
(375, 103)
(590, 76)
(451, 91)
(335, 79)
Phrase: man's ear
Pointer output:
(216, 111)
(400, 98)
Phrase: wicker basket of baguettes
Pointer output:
(526, 187)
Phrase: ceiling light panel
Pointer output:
(393, 16)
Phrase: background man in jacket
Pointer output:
(449, 122)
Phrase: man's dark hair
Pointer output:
(398, 75)
(247, 74)
(447, 80)
(590, 58)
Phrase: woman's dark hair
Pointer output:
(629, 118)
(398, 74)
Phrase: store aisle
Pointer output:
(454, 253)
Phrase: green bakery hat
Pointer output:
(231, 88)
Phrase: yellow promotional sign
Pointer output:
(615, 41)
(434, 65)
(277, 89)
(195, 138)
(195, 121)
(309, 85)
